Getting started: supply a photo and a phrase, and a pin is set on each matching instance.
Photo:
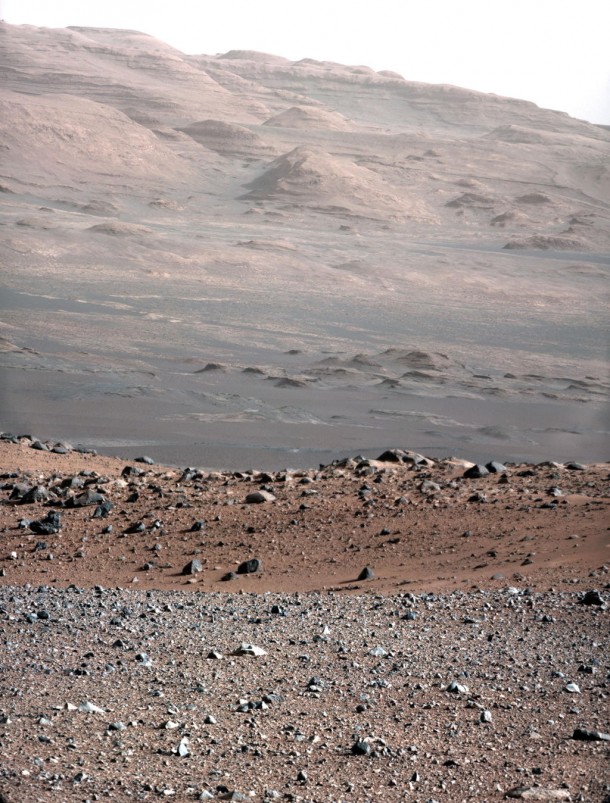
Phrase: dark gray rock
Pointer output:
(476, 472)
(391, 456)
(366, 574)
(39, 493)
(593, 598)
(132, 471)
(85, 499)
(250, 566)
(50, 525)
(19, 490)
(494, 467)
(145, 459)
(193, 567)
(429, 487)
(101, 511)
(137, 527)
(583, 735)
(258, 497)
(361, 748)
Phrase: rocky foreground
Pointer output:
(403, 629)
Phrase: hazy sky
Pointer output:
(553, 52)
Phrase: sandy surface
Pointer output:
(421, 528)
(479, 582)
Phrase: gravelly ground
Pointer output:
(337, 670)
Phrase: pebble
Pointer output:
(90, 708)
(249, 649)
(494, 467)
(457, 688)
(583, 735)
(86, 499)
(50, 525)
(537, 793)
(143, 659)
(593, 598)
(192, 567)
(258, 497)
(250, 566)
(476, 472)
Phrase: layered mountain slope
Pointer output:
(398, 148)
(162, 213)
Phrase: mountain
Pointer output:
(162, 212)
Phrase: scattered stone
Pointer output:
(361, 748)
(143, 659)
(537, 793)
(250, 566)
(583, 735)
(137, 527)
(90, 708)
(476, 472)
(193, 567)
(39, 493)
(249, 649)
(457, 688)
(258, 497)
(592, 598)
(50, 525)
(428, 487)
(85, 499)
(102, 511)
